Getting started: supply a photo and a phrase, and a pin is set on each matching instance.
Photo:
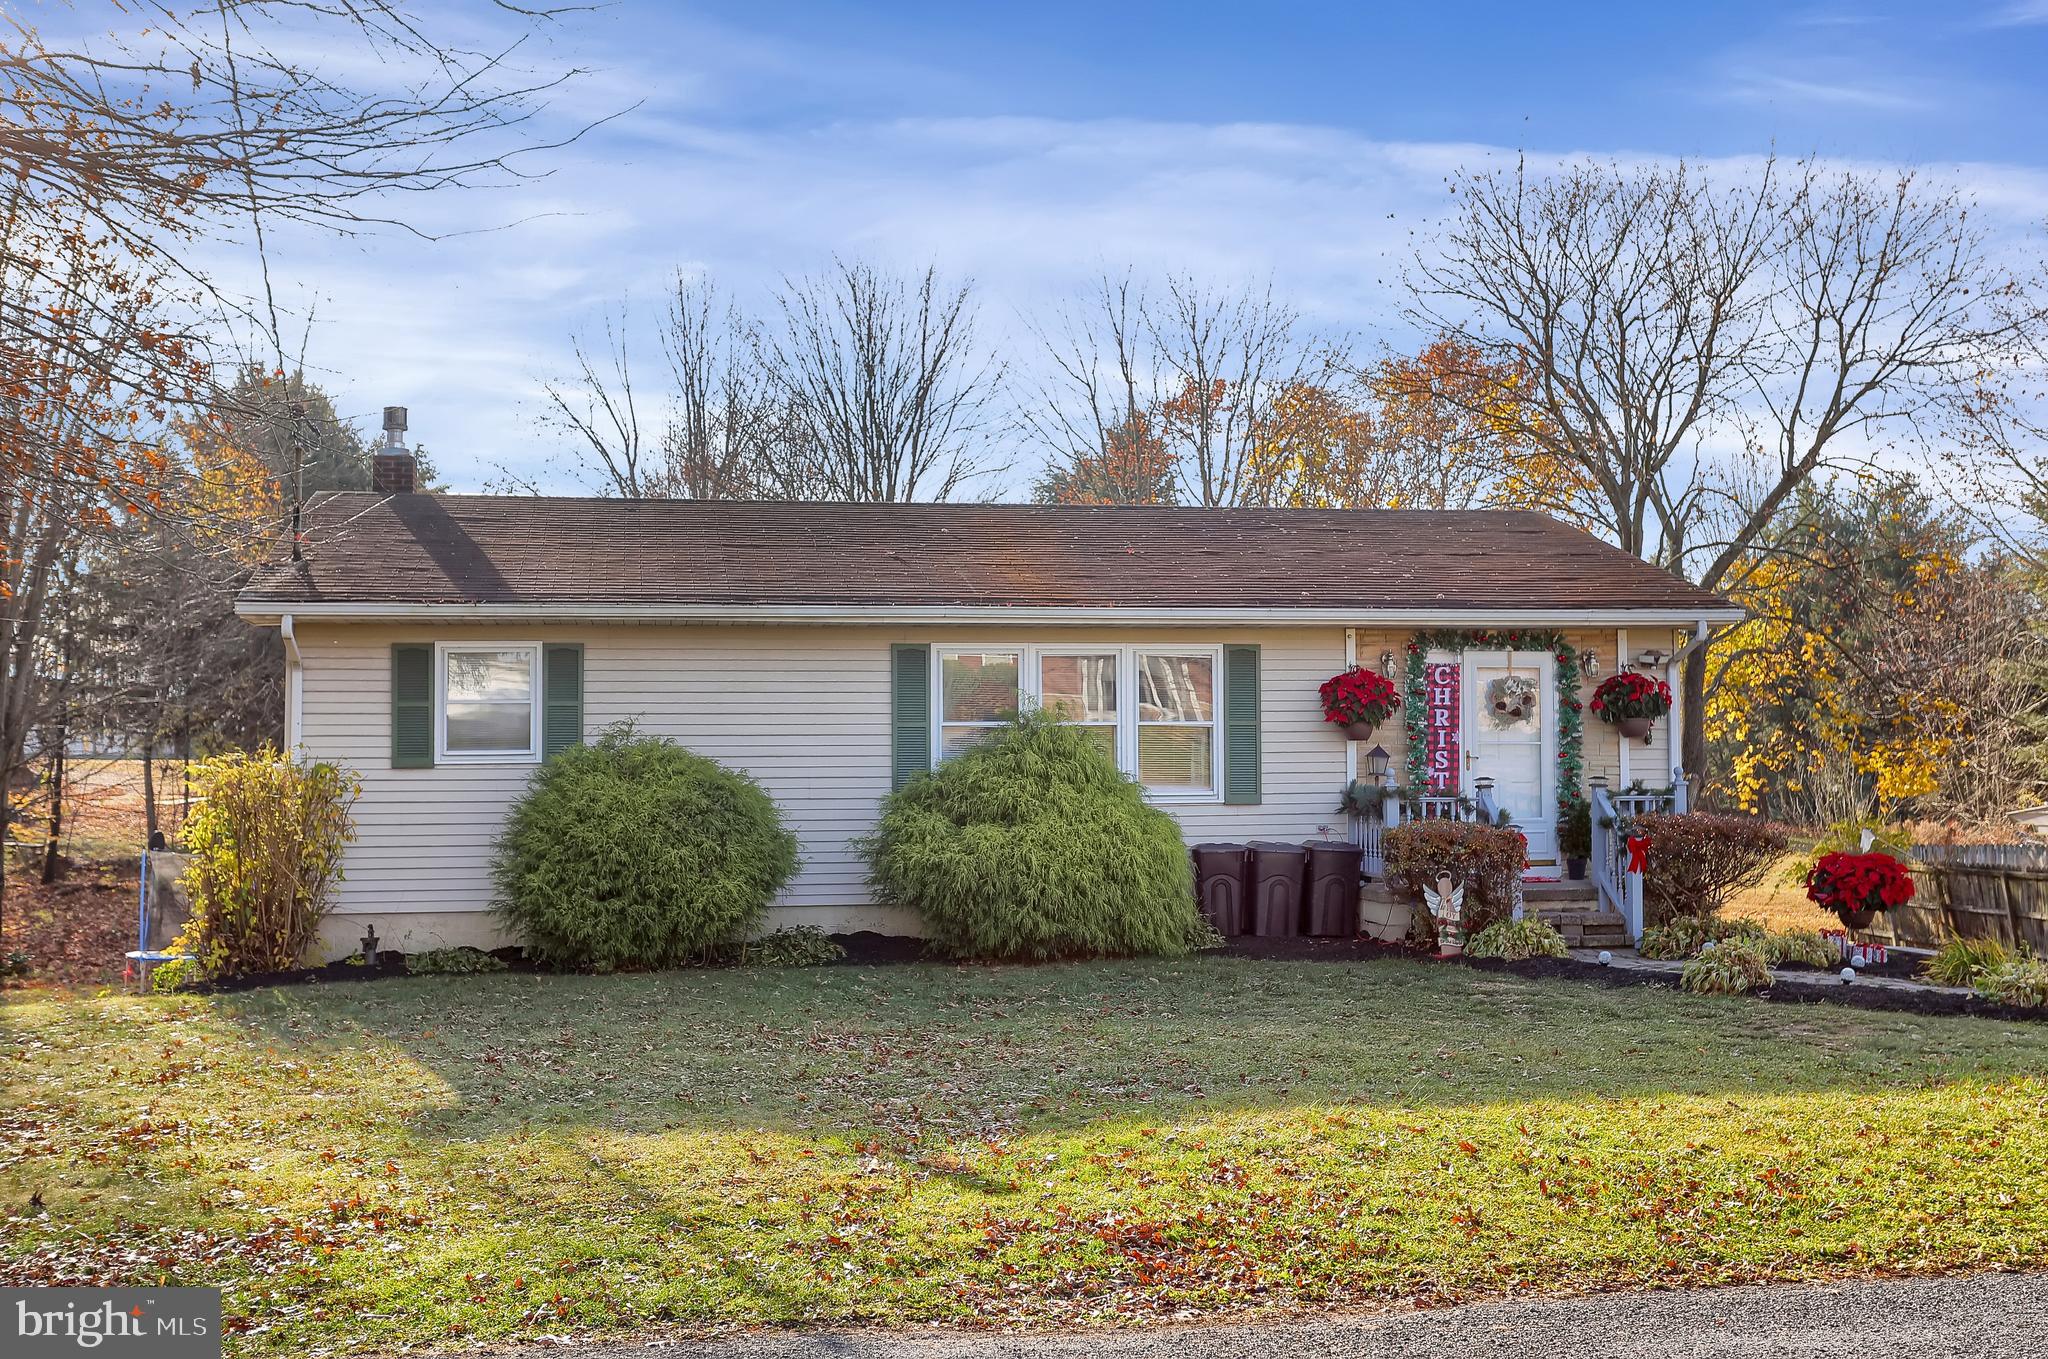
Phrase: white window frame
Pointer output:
(1214, 726)
(1030, 681)
(443, 755)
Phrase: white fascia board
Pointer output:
(974, 615)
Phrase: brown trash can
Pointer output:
(1220, 885)
(1332, 893)
(1278, 873)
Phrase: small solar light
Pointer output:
(1709, 946)
(1605, 957)
(1859, 959)
(1848, 975)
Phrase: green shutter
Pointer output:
(561, 717)
(412, 705)
(1241, 724)
(910, 670)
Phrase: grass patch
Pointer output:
(444, 1161)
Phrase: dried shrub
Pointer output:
(1487, 859)
(1729, 969)
(266, 837)
(1032, 844)
(1514, 940)
(1699, 859)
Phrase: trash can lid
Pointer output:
(1276, 847)
(1220, 847)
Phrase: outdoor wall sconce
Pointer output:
(1376, 761)
(1387, 664)
(1589, 661)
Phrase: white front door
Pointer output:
(1510, 723)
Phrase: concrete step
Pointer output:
(1587, 929)
(1559, 891)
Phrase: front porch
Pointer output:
(1494, 727)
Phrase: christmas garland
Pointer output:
(1571, 717)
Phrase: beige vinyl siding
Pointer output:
(804, 709)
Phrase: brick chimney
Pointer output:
(393, 470)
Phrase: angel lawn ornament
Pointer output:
(1446, 903)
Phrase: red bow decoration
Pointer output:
(1638, 854)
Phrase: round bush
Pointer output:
(633, 852)
(1031, 844)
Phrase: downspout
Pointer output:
(294, 683)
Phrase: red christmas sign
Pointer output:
(1440, 725)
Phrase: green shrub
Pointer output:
(797, 946)
(1803, 947)
(1487, 859)
(633, 852)
(1031, 844)
(1575, 830)
(1515, 940)
(265, 835)
(1682, 936)
(1699, 859)
(452, 962)
(2021, 981)
(179, 974)
(1965, 962)
(1728, 969)
(15, 964)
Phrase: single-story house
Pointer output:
(443, 645)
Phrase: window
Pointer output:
(487, 702)
(1177, 721)
(1081, 688)
(1154, 710)
(980, 690)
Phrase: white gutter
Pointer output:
(257, 611)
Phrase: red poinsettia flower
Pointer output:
(1628, 694)
(1843, 882)
(1358, 695)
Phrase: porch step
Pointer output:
(1588, 929)
(1566, 890)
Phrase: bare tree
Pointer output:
(599, 411)
(724, 439)
(1701, 350)
(885, 393)
(1168, 396)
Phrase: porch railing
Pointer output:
(1619, 889)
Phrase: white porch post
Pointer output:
(1622, 664)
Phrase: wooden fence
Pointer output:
(1977, 891)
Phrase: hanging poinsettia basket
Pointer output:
(1358, 701)
(1857, 886)
(1632, 702)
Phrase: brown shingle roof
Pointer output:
(368, 548)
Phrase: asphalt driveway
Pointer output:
(1986, 1316)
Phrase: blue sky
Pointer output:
(1032, 147)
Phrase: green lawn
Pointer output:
(434, 1161)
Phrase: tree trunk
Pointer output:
(1692, 700)
(149, 795)
(56, 803)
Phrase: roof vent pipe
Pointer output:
(393, 470)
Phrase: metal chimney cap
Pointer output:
(394, 417)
